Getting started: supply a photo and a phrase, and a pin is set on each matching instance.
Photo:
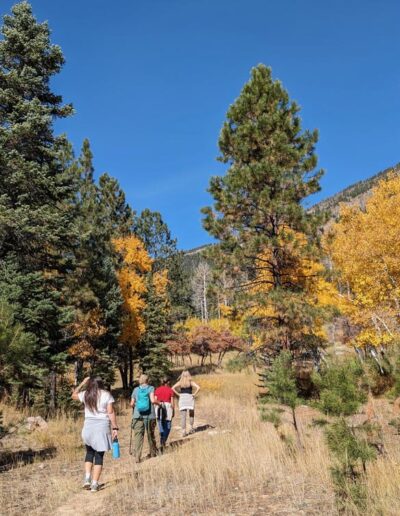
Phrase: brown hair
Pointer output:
(92, 393)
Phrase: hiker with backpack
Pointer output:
(96, 432)
(144, 417)
(185, 384)
(164, 410)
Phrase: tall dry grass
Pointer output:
(241, 463)
(241, 466)
(47, 465)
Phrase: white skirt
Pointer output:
(97, 434)
(186, 401)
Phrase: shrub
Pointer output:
(239, 363)
(352, 452)
(340, 388)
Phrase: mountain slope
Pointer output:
(353, 194)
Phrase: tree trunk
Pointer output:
(296, 427)
(77, 371)
(205, 297)
(130, 367)
(53, 392)
(124, 377)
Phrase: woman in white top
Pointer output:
(96, 434)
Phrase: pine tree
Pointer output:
(16, 350)
(280, 384)
(152, 350)
(37, 189)
(156, 236)
(265, 234)
(150, 227)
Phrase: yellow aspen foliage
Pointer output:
(218, 324)
(86, 330)
(310, 288)
(136, 263)
(365, 248)
(161, 282)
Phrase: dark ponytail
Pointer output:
(92, 393)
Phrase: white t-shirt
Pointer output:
(104, 399)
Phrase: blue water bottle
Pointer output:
(115, 448)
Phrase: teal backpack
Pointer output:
(143, 400)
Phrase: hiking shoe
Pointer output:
(86, 484)
(94, 487)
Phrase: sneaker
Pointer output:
(184, 434)
(94, 487)
(87, 483)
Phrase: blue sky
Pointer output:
(151, 82)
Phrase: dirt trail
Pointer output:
(83, 503)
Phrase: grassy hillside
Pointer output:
(233, 464)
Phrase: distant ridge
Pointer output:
(196, 250)
(354, 194)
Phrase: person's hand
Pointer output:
(85, 381)
(114, 434)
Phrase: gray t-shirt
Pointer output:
(136, 413)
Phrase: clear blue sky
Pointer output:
(151, 82)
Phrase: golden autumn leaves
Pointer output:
(134, 266)
(357, 277)
(364, 247)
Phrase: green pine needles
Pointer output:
(340, 387)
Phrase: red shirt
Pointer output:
(164, 393)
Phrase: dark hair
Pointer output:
(165, 380)
(92, 393)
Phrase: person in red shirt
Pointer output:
(164, 410)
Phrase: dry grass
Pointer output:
(47, 465)
(241, 466)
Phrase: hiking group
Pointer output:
(150, 407)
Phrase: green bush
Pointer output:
(340, 388)
(351, 452)
(280, 382)
(272, 415)
(239, 363)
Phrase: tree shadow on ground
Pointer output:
(8, 460)
(201, 369)
(178, 442)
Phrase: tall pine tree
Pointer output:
(152, 349)
(36, 189)
(259, 216)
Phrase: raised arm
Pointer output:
(194, 384)
(75, 392)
